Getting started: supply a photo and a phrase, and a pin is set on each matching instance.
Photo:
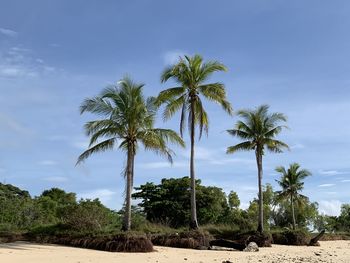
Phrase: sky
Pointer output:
(292, 55)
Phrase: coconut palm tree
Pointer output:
(258, 130)
(291, 184)
(127, 120)
(191, 73)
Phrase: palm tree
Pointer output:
(127, 121)
(258, 131)
(291, 184)
(191, 73)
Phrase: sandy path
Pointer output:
(20, 252)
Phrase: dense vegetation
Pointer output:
(162, 208)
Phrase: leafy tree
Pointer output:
(258, 130)
(59, 196)
(268, 204)
(87, 215)
(168, 202)
(291, 184)
(127, 121)
(191, 73)
(233, 200)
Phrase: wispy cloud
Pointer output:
(56, 179)
(47, 162)
(171, 57)
(13, 125)
(104, 195)
(19, 62)
(215, 157)
(331, 207)
(330, 172)
(81, 144)
(326, 185)
(8, 32)
(159, 165)
(297, 146)
(345, 181)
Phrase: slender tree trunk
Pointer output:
(261, 200)
(129, 183)
(194, 222)
(293, 212)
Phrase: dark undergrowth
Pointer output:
(195, 239)
(292, 237)
(150, 234)
(118, 243)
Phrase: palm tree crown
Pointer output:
(292, 183)
(127, 121)
(258, 130)
(190, 73)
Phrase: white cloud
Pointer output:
(297, 146)
(331, 207)
(104, 195)
(345, 181)
(18, 62)
(8, 32)
(171, 57)
(9, 123)
(330, 172)
(47, 162)
(159, 165)
(81, 145)
(326, 185)
(56, 179)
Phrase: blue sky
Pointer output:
(293, 55)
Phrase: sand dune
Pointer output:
(20, 252)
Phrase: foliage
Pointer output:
(88, 215)
(168, 203)
(233, 200)
(298, 237)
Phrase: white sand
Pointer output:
(23, 252)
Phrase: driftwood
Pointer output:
(227, 243)
(313, 241)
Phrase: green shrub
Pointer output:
(189, 239)
(292, 237)
(88, 215)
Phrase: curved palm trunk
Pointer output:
(261, 200)
(194, 222)
(293, 213)
(129, 183)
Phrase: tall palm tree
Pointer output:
(258, 130)
(291, 184)
(127, 120)
(191, 73)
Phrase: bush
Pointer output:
(117, 243)
(190, 239)
(291, 237)
(88, 216)
(261, 239)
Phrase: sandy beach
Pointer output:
(19, 252)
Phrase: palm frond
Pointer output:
(243, 146)
(101, 147)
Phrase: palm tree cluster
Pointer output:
(127, 121)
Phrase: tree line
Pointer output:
(162, 207)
